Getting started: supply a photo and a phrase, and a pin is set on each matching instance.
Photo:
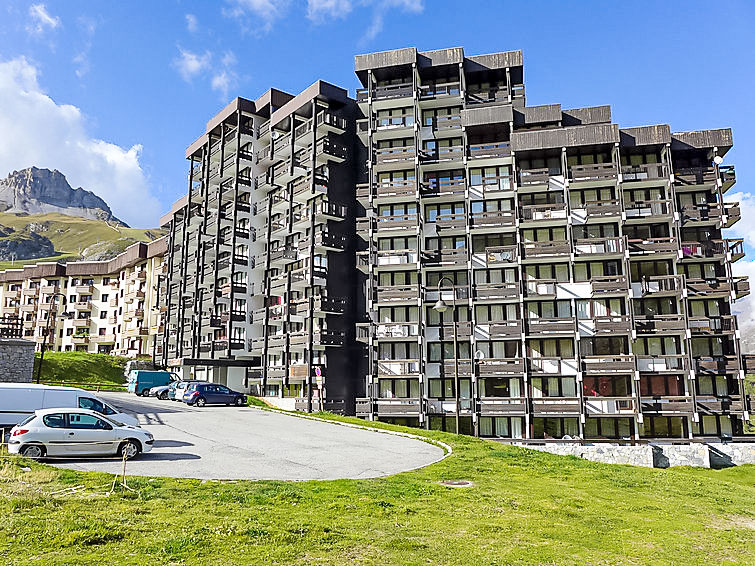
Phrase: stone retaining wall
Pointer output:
(701, 455)
(16, 360)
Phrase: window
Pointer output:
(104, 297)
(105, 281)
(103, 315)
(445, 211)
(86, 422)
(91, 404)
(55, 420)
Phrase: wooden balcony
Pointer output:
(695, 176)
(702, 325)
(608, 364)
(446, 222)
(610, 406)
(398, 407)
(609, 284)
(545, 249)
(717, 364)
(599, 246)
(669, 364)
(555, 406)
(710, 405)
(552, 366)
(502, 406)
(662, 285)
(443, 187)
(601, 208)
(439, 90)
(493, 219)
(395, 154)
(667, 245)
(543, 212)
(496, 367)
(397, 330)
(387, 92)
(493, 291)
(81, 322)
(31, 292)
(444, 257)
(612, 324)
(396, 222)
(499, 330)
(595, 172)
(648, 209)
(728, 176)
(397, 368)
(489, 150)
(451, 153)
(733, 248)
(715, 287)
(363, 406)
(529, 177)
(667, 405)
(660, 323)
(644, 172)
(388, 189)
(497, 255)
(397, 293)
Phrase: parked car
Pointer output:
(141, 381)
(76, 432)
(18, 401)
(201, 394)
(161, 392)
(177, 394)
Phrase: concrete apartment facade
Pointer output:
(97, 306)
(261, 258)
(437, 254)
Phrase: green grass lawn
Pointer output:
(81, 367)
(525, 507)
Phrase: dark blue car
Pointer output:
(201, 394)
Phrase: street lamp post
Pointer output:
(50, 317)
(441, 307)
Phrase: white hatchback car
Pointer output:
(76, 432)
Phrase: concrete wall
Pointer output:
(16, 360)
(700, 455)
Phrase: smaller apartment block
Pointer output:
(89, 306)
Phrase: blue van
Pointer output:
(140, 381)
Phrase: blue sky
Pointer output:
(111, 93)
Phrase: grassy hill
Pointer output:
(524, 508)
(81, 367)
(71, 235)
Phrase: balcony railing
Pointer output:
(653, 245)
(439, 89)
(386, 92)
(543, 249)
(680, 404)
(553, 366)
(543, 406)
(539, 176)
(501, 254)
(397, 292)
(726, 324)
(496, 290)
(595, 405)
(647, 208)
(662, 284)
(392, 122)
(502, 406)
(717, 364)
(392, 154)
(440, 187)
(595, 172)
(493, 219)
(551, 211)
(644, 172)
(398, 407)
(490, 149)
(672, 363)
(609, 284)
(495, 367)
(713, 248)
(695, 176)
(437, 257)
(550, 326)
(660, 323)
(397, 368)
(601, 208)
(450, 153)
(396, 221)
(599, 246)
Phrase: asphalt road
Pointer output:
(221, 442)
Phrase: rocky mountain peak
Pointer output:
(39, 191)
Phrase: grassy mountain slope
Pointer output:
(71, 235)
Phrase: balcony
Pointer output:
(80, 339)
(644, 172)
(401, 154)
(695, 176)
(486, 186)
(31, 292)
(611, 324)
(444, 257)
(84, 289)
(396, 330)
(397, 293)
(15, 294)
(667, 405)
(443, 187)
(543, 212)
(396, 222)
(328, 149)
(599, 246)
(446, 222)
(328, 121)
(609, 284)
(733, 248)
(556, 406)
(489, 150)
(702, 325)
(439, 90)
(81, 322)
(387, 92)
(83, 306)
(600, 208)
(50, 289)
(398, 368)
(509, 329)
(390, 189)
(660, 323)
(709, 212)
(494, 291)
(363, 406)
(442, 124)
(498, 367)
(647, 209)
(546, 249)
(595, 172)
(653, 246)
(710, 405)
(498, 255)
(728, 176)
(608, 364)
(662, 285)
(610, 406)
(399, 407)
(102, 339)
(442, 154)
(715, 287)
(385, 258)
(398, 121)
(741, 286)
(541, 176)
(540, 287)
(552, 366)
(550, 326)
(503, 406)
(492, 219)
(498, 94)
(717, 364)
(672, 363)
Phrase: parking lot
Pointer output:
(219, 442)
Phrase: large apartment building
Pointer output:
(539, 272)
(89, 306)
(260, 288)
(438, 254)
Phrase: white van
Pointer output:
(19, 401)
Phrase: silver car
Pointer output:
(76, 432)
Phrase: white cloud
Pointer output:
(320, 10)
(82, 64)
(41, 20)
(256, 16)
(38, 131)
(192, 24)
(191, 64)
(380, 7)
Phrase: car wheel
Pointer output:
(163, 396)
(33, 451)
(201, 402)
(129, 449)
(239, 401)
